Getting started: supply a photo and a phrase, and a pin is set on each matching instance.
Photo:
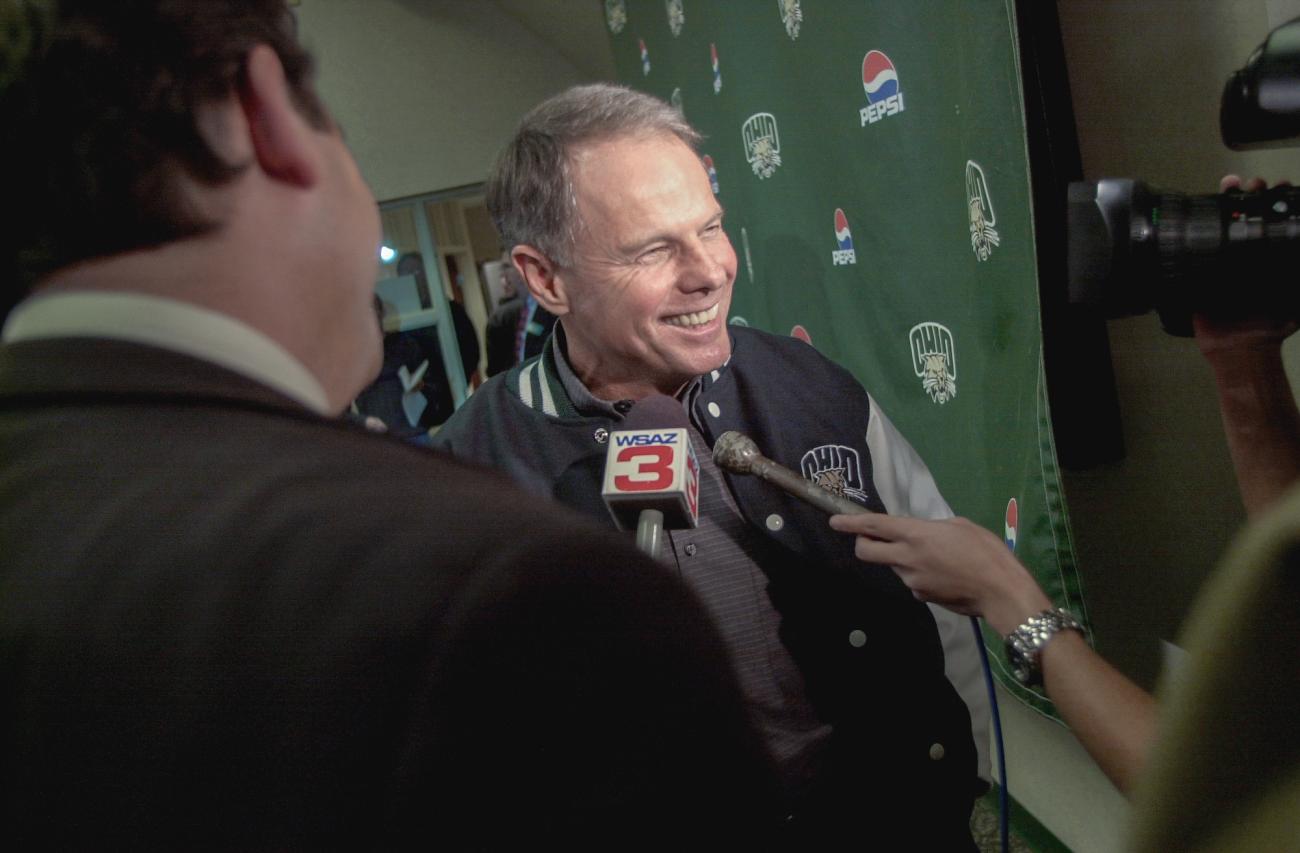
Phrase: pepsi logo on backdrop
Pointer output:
(717, 73)
(713, 173)
(843, 253)
(801, 333)
(1013, 524)
(645, 57)
(884, 91)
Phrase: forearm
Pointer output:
(1112, 717)
(1261, 422)
(969, 570)
(1012, 596)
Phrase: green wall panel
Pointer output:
(941, 283)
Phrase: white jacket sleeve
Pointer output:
(907, 488)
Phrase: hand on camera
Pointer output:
(1218, 337)
(1254, 185)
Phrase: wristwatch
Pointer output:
(1025, 644)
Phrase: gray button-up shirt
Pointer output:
(718, 560)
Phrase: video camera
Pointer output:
(1132, 249)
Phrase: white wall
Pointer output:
(427, 91)
(1146, 77)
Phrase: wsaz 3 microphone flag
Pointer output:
(652, 469)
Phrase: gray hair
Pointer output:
(530, 191)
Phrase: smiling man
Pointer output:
(870, 703)
(644, 292)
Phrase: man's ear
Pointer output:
(283, 141)
(542, 277)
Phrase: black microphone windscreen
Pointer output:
(658, 411)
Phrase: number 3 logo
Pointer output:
(657, 465)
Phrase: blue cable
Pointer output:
(1004, 823)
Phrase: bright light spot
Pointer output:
(387, 254)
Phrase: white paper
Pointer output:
(413, 404)
(409, 379)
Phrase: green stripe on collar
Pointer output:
(537, 384)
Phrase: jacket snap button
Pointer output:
(715, 410)
(601, 435)
(857, 638)
(775, 522)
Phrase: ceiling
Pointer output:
(574, 28)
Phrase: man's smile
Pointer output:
(698, 318)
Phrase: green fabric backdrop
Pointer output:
(935, 308)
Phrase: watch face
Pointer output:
(1021, 665)
(1025, 644)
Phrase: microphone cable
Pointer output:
(1004, 799)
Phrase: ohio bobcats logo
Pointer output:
(837, 469)
(832, 481)
(676, 16)
(983, 236)
(934, 359)
(762, 144)
(615, 15)
(791, 16)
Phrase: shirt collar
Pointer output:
(583, 400)
(589, 404)
(169, 324)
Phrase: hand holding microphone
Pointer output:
(953, 562)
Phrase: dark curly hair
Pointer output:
(97, 119)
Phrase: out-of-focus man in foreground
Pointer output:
(227, 618)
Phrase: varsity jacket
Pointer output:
(876, 664)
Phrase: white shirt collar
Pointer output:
(166, 323)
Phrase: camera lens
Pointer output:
(1133, 250)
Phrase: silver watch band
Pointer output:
(1025, 644)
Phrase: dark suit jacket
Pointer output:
(225, 621)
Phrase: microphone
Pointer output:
(737, 453)
(652, 477)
